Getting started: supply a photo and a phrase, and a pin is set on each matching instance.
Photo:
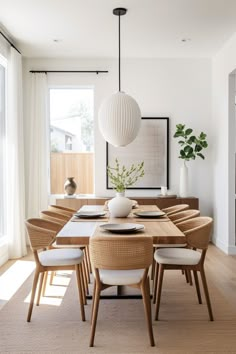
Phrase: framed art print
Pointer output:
(151, 146)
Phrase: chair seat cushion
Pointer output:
(178, 256)
(121, 277)
(61, 257)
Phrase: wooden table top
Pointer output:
(162, 230)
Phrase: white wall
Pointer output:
(176, 88)
(223, 128)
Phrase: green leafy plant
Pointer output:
(122, 177)
(191, 145)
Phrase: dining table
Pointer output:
(78, 231)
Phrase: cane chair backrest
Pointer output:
(41, 232)
(52, 216)
(197, 231)
(184, 215)
(175, 209)
(62, 210)
(121, 252)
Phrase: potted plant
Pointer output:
(192, 146)
(121, 178)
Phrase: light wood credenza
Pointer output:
(161, 202)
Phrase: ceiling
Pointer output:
(88, 29)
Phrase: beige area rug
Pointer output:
(121, 329)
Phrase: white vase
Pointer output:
(120, 206)
(183, 182)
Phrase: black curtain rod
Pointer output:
(9, 42)
(69, 71)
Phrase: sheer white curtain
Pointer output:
(15, 181)
(38, 146)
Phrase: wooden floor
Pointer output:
(183, 328)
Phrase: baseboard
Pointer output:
(230, 250)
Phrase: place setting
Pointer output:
(149, 215)
(122, 228)
(89, 215)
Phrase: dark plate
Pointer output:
(122, 228)
(149, 214)
(90, 214)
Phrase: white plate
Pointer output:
(90, 214)
(149, 214)
(122, 228)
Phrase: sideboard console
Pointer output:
(161, 202)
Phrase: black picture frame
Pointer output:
(157, 153)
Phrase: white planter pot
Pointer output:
(183, 182)
(120, 206)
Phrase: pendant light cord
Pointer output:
(119, 55)
(119, 11)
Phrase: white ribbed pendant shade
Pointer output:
(119, 119)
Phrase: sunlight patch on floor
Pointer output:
(54, 293)
(12, 279)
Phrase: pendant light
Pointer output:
(119, 115)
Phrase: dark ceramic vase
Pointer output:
(70, 186)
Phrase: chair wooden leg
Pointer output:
(85, 279)
(52, 275)
(40, 288)
(153, 265)
(204, 283)
(83, 285)
(79, 283)
(95, 314)
(197, 287)
(87, 263)
(149, 295)
(147, 308)
(94, 294)
(159, 289)
(44, 283)
(190, 277)
(86, 270)
(35, 282)
(155, 280)
(186, 276)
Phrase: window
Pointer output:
(72, 138)
(2, 146)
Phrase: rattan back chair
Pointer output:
(62, 210)
(62, 219)
(198, 232)
(41, 234)
(175, 218)
(121, 260)
(175, 209)
(183, 215)
(53, 216)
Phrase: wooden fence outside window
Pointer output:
(77, 165)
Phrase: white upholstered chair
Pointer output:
(121, 260)
(41, 235)
(197, 231)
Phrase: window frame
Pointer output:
(76, 86)
(3, 159)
